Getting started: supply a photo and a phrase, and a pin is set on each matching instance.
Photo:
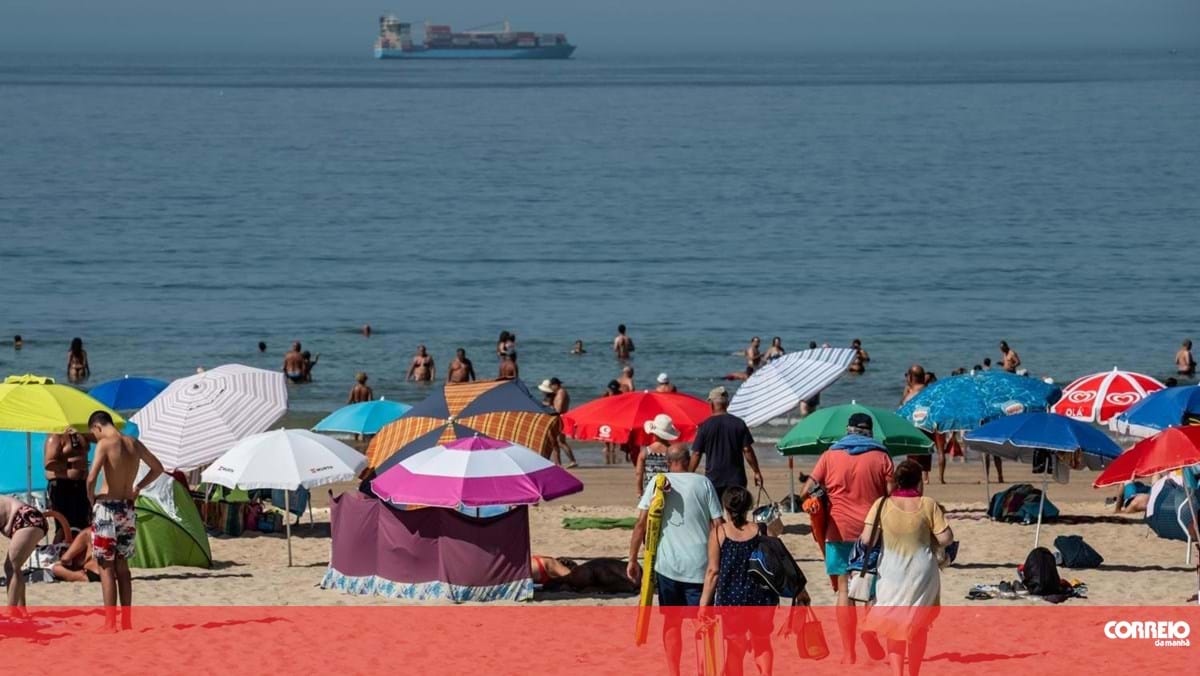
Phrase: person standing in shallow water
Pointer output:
(1185, 363)
(293, 364)
(622, 344)
(461, 369)
(421, 369)
(776, 350)
(1010, 361)
(360, 392)
(78, 368)
(508, 366)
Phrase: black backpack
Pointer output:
(774, 568)
(1040, 573)
(1076, 553)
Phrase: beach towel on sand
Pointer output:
(599, 523)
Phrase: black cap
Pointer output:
(861, 420)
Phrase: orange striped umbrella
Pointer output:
(501, 409)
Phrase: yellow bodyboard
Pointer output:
(654, 517)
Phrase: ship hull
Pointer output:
(548, 52)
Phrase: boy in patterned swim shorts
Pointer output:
(114, 522)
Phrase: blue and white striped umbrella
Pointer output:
(782, 384)
(198, 418)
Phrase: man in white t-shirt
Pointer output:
(691, 511)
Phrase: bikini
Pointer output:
(26, 517)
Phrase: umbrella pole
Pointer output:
(792, 484)
(287, 520)
(29, 468)
(1195, 526)
(987, 485)
(1037, 534)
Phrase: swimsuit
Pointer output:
(114, 529)
(69, 498)
(295, 377)
(26, 517)
(540, 574)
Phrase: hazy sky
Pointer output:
(608, 25)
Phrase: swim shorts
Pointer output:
(27, 517)
(69, 498)
(837, 557)
(114, 529)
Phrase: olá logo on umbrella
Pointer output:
(1012, 407)
(920, 414)
(605, 432)
(318, 470)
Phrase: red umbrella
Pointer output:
(1169, 450)
(1101, 396)
(619, 419)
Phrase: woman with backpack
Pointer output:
(728, 582)
(908, 591)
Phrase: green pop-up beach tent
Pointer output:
(166, 539)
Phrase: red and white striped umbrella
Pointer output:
(196, 419)
(1101, 396)
(474, 472)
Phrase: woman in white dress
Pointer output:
(908, 591)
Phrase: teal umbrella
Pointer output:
(365, 417)
(816, 433)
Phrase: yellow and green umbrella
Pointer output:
(36, 404)
(819, 431)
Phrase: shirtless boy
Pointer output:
(114, 522)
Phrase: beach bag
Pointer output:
(810, 636)
(1040, 573)
(774, 568)
(864, 562)
(768, 514)
(269, 522)
(254, 510)
(1076, 553)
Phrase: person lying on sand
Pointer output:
(77, 563)
(605, 575)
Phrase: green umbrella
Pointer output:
(819, 431)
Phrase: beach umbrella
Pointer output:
(1172, 449)
(1101, 396)
(821, 429)
(36, 404)
(474, 472)
(197, 418)
(500, 409)
(966, 402)
(365, 417)
(1022, 436)
(1170, 407)
(620, 418)
(782, 384)
(127, 394)
(287, 460)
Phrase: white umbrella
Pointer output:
(782, 384)
(198, 418)
(286, 460)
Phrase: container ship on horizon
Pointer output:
(439, 42)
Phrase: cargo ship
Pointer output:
(440, 42)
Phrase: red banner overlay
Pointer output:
(489, 640)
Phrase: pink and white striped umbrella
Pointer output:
(1101, 396)
(474, 472)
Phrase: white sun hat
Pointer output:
(662, 427)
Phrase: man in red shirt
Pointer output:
(856, 471)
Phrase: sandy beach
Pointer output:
(1139, 568)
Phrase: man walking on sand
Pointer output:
(559, 399)
(855, 472)
(691, 511)
(114, 522)
(726, 444)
